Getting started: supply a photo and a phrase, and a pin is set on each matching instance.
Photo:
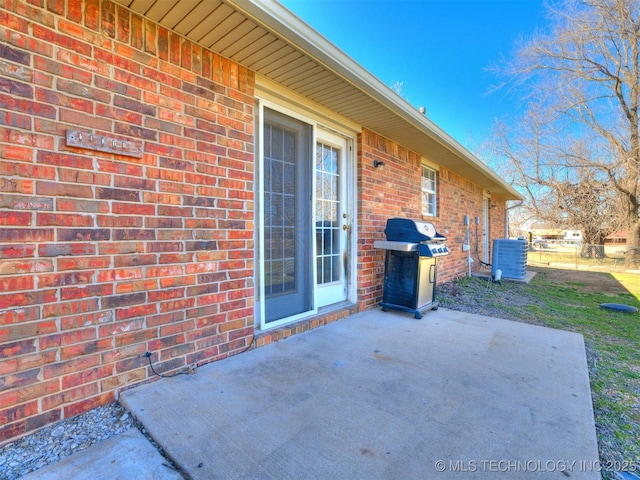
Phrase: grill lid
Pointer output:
(408, 230)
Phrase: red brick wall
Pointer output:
(459, 197)
(104, 257)
(497, 213)
(395, 190)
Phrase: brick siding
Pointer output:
(105, 257)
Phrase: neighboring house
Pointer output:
(191, 178)
(552, 235)
(572, 236)
(618, 238)
(615, 245)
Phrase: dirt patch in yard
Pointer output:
(588, 282)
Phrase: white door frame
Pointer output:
(485, 229)
(350, 199)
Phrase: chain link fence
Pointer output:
(576, 256)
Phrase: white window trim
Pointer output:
(433, 192)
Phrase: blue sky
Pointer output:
(438, 49)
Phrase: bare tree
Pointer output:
(582, 80)
(589, 204)
(559, 191)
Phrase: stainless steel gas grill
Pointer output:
(410, 267)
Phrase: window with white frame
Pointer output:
(428, 192)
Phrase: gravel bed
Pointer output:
(51, 444)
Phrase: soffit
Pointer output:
(265, 37)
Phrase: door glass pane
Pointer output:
(328, 225)
(286, 157)
(280, 229)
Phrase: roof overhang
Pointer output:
(267, 38)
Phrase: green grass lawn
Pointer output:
(571, 301)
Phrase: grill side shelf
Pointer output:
(398, 246)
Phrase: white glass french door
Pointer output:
(331, 219)
(303, 224)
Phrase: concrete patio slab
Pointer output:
(384, 396)
(124, 457)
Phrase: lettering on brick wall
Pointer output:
(104, 143)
